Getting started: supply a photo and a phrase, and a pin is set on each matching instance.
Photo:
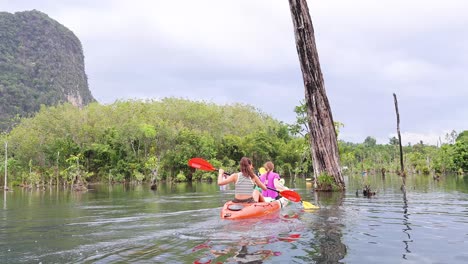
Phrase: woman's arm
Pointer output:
(279, 186)
(223, 181)
(259, 183)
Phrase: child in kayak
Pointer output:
(244, 181)
(271, 179)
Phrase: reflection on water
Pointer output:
(328, 230)
(406, 221)
(246, 250)
(252, 241)
(180, 223)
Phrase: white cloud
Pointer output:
(409, 70)
(364, 16)
(434, 138)
(243, 33)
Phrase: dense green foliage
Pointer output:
(141, 140)
(373, 158)
(41, 62)
(451, 156)
(153, 140)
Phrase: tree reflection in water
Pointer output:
(406, 220)
(327, 245)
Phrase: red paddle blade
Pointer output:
(199, 163)
(291, 195)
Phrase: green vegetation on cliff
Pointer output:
(41, 62)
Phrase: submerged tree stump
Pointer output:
(367, 192)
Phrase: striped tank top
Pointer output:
(244, 186)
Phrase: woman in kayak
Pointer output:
(271, 179)
(244, 181)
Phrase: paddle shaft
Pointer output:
(273, 190)
(288, 194)
(306, 205)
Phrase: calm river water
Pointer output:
(180, 223)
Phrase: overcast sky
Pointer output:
(229, 51)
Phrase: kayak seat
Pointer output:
(235, 207)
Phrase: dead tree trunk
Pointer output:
(5, 186)
(322, 129)
(399, 136)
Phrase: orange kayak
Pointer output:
(236, 211)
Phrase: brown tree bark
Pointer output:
(5, 185)
(399, 136)
(323, 138)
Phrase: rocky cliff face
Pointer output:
(41, 62)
